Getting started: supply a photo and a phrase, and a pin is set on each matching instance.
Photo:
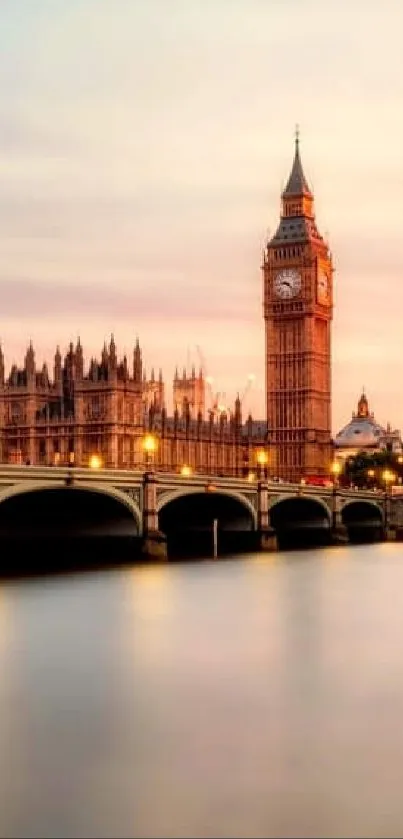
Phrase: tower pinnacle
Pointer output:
(297, 184)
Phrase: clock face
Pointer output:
(323, 287)
(287, 283)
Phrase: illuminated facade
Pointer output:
(101, 416)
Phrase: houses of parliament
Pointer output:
(104, 408)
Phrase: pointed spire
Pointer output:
(297, 183)
(30, 359)
(1, 365)
(363, 408)
(160, 379)
(137, 362)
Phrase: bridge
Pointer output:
(158, 508)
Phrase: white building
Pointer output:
(364, 434)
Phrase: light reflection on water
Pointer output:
(256, 697)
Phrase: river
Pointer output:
(258, 696)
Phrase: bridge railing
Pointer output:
(13, 473)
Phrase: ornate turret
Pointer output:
(57, 368)
(1, 366)
(112, 355)
(79, 360)
(238, 411)
(104, 356)
(297, 184)
(297, 222)
(137, 363)
(29, 363)
(44, 375)
(362, 407)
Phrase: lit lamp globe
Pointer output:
(262, 457)
(335, 470)
(95, 461)
(149, 444)
(149, 448)
(388, 477)
(186, 471)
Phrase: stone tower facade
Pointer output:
(298, 303)
(190, 393)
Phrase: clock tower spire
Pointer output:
(298, 302)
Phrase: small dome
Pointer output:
(359, 433)
(362, 432)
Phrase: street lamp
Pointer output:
(150, 444)
(95, 461)
(186, 471)
(371, 474)
(388, 477)
(262, 459)
(335, 470)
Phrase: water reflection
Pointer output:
(261, 696)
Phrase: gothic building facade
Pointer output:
(298, 303)
(73, 414)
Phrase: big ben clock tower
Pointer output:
(298, 302)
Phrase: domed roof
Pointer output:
(362, 432)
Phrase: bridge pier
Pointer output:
(154, 543)
(390, 534)
(267, 537)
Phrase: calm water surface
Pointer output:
(261, 696)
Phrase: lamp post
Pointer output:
(335, 470)
(262, 460)
(150, 444)
(371, 474)
(388, 477)
(95, 461)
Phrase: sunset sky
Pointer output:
(143, 148)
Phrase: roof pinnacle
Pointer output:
(297, 184)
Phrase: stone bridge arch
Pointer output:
(300, 519)
(186, 516)
(297, 496)
(167, 497)
(25, 487)
(362, 512)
